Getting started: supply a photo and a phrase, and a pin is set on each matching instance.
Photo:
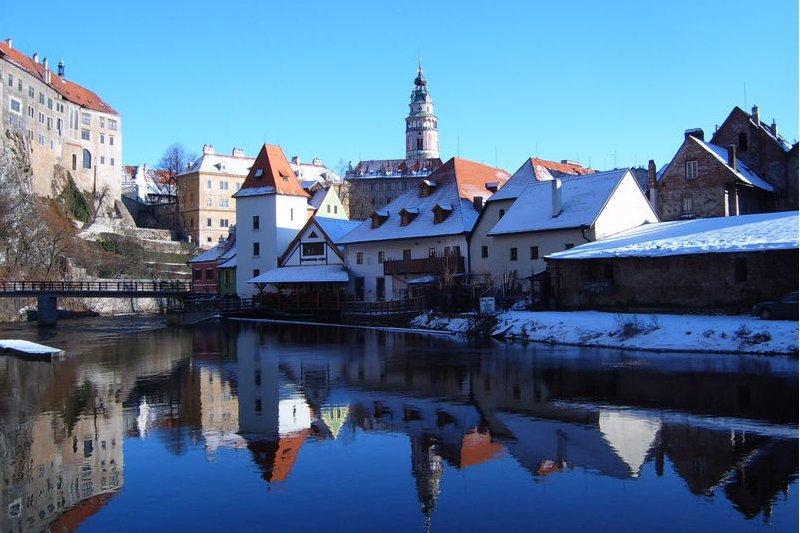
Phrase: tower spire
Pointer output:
(422, 126)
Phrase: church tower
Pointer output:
(422, 131)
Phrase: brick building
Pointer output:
(706, 180)
(763, 149)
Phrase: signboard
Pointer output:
(487, 305)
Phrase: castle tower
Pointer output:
(422, 131)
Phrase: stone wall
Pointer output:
(702, 282)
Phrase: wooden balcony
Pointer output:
(451, 263)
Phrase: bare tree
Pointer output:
(176, 159)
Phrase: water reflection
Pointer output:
(726, 426)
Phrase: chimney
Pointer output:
(9, 43)
(756, 118)
(477, 203)
(732, 156)
(774, 128)
(237, 152)
(47, 72)
(296, 159)
(697, 133)
(208, 149)
(317, 162)
(556, 188)
(61, 68)
(36, 58)
(652, 184)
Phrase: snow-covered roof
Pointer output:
(458, 182)
(317, 197)
(393, 168)
(742, 171)
(314, 172)
(304, 274)
(228, 263)
(765, 231)
(534, 170)
(582, 199)
(221, 164)
(214, 254)
(336, 228)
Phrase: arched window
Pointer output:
(87, 159)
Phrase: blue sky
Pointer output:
(610, 83)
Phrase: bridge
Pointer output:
(48, 292)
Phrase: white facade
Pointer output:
(513, 236)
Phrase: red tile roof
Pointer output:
(69, 90)
(471, 177)
(563, 168)
(275, 171)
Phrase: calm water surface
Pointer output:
(259, 427)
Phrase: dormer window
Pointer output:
(426, 187)
(492, 186)
(441, 212)
(407, 215)
(283, 175)
(378, 218)
(259, 173)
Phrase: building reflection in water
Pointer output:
(276, 390)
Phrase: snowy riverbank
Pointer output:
(660, 333)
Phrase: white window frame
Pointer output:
(11, 102)
(691, 170)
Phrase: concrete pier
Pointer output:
(47, 313)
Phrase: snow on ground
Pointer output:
(652, 332)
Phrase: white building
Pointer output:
(422, 233)
(554, 215)
(271, 208)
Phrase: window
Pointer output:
(223, 223)
(687, 205)
(740, 269)
(111, 140)
(41, 118)
(209, 273)
(49, 123)
(223, 185)
(15, 106)
(30, 111)
(49, 103)
(256, 249)
(198, 274)
(329, 208)
(406, 254)
(10, 80)
(112, 124)
(224, 202)
(313, 248)
(380, 257)
(19, 85)
(502, 212)
(335, 209)
(102, 160)
(431, 252)
(742, 142)
(74, 162)
(86, 119)
(102, 122)
(208, 222)
(534, 252)
(41, 98)
(209, 202)
(102, 138)
(256, 222)
(31, 92)
(41, 139)
(691, 170)
(291, 213)
(359, 258)
(113, 162)
(513, 256)
(87, 159)
(59, 124)
(208, 184)
(484, 251)
(569, 246)
(85, 135)
(256, 272)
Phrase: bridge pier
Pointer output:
(47, 313)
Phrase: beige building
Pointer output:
(63, 123)
(205, 192)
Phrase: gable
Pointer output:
(271, 173)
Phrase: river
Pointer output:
(240, 426)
